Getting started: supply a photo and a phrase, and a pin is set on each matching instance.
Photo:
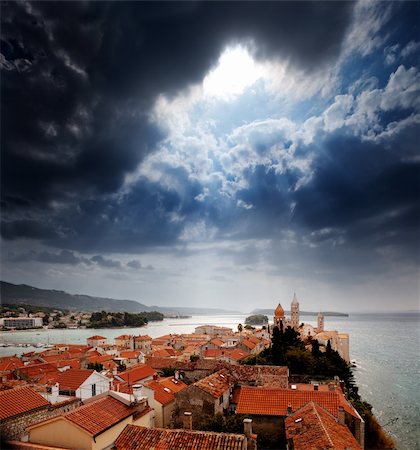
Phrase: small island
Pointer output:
(105, 319)
(256, 319)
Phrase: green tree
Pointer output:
(315, 347)
(328, 349)
(240, 328)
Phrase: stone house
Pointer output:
(206, 397)
(93, 426)
(161, 397)
(124, 341)
(268, 407)
(314, 427)
(96, 341)
(23, 406)
(143, 343)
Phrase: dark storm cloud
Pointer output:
(78, 80)
(63, 257)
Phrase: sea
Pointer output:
(384, 347)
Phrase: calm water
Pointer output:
(385, 347)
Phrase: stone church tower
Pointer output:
(320, 322)
(279, 317)
(295, 313)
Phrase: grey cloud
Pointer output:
(104, 262)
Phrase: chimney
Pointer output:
(54, 393)
(155, 377)
(176, 375)
(289, 409)
(342, 385)
(316, 386)
(137, 392)
(248, 428)
(341, 415)
(188, 420)
(331, 387)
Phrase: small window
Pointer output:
(220, 399)
(93, 390)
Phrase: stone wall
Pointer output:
(196, 401)
(14, 427)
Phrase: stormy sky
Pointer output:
(218, 154)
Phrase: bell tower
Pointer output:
(294, 312)
(320, 321)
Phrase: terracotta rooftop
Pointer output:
(95, 338)
(146, 337)
(138, 438)
(10, 363)
(137, 373)
(97, 416)
(216, 383)
(214, 353)
(40, 373)
(124, 337)
(20, 400)
(172, 384)
(237, 354)
(162, 395)
(130, 354)
(248, 344)
(71, 379)
(274, 402)
(312, 427)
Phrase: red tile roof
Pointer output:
(100, 359)
(71, 379)
(123, 337)
(248, 344)
(96, 338)
(10, 363)
(146, 337)
(237, 354)
(216, 384)
(172, 384)
(137, 373)
(162, 395)
(97, 416)
(138, 438)
(214, 353)
(20, 400)
(129, 354)
(40, 373)
(312, 427)
(274, 402)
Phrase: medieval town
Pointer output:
(138, 392)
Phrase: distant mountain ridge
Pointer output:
(22, 293)
(270, 312)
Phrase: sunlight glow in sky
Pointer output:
(236, 70)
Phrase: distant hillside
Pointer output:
(270, 312)
(24, 294)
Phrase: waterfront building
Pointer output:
(96, 341)
(21, 322)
